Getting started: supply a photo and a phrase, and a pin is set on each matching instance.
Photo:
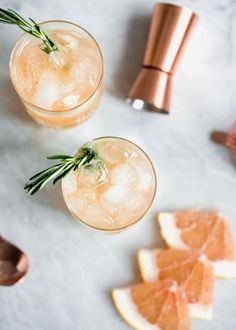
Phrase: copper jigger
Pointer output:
(13, 263)
(170, 29)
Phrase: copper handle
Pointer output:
(219, 137)
(13, 263)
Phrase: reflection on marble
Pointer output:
(73, 268)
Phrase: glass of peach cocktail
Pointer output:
(59, 88)
(108, 184)
(116, 196)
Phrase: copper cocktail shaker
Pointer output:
(170, 29)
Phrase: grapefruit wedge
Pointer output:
(153, 306)
(192, 271)
(206, 231)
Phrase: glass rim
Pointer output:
(119, 229)
(50, 111)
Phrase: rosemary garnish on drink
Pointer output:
(85, 157)
(9, 16)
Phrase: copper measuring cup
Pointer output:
(170, 29)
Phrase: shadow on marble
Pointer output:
(131, 61)
(14, 106)
(155, 242)
(158, 241)
(52, 197)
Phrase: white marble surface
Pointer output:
(72, 267)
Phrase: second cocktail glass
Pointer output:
(118, 195)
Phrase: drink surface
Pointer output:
(62, 80)
(117, 195)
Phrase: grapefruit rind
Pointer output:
(199, 311)
(224, 268)
(147, 265)
(127, 309)
(149, 273)
(170, 232)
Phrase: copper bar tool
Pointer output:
(13, 263)
(226, 139)
(171, 27)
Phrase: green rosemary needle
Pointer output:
(9, 16)
(86, 157)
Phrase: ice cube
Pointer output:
(59, 59)
(85, 72)
(71, 100)
(114, 195)
(144, 173)
(133, 201)
(76, 203)
(119, 197)
(70, 41)
(79, 200)
(96, 216)
(146, 181)
(114, 151)
(48, 90)
(69, 182)
(92, 177)
(123, 174)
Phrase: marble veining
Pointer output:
(73, 268)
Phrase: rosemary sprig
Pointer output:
(85, 157)
(9, 16)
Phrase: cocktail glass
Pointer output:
(63, 88)
(118, 195)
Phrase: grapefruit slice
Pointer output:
(192, 271)
(153, 306)
(207, 231)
